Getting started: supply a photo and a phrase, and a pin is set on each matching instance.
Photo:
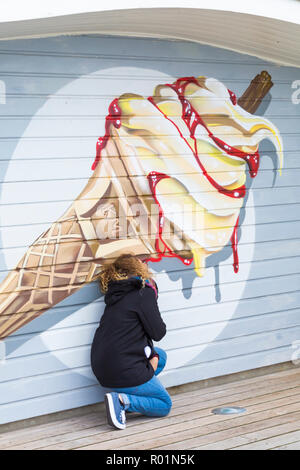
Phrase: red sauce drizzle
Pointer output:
(234, 242)
(154, 178)
(188, 116)
(113, 117)
(192, 120)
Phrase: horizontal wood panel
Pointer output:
(291, 158)
(58, 382)
(68, 189)
(231, 365)
(57, 127)
(83, 146)
(202, 295)
(255, 287)
(66, 317)
(282, 231)
(98, 105)
(46, 211)
(58, 170)
(50, 404)
(199, 335)
(271, 402)
(94, 394)
(111, 47)
(60, 61)
(79, 356)
(277, 267)
(38, 212)
(263, 250)
(59, 134)
(64, 338)
(96, 82)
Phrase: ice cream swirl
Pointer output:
(189, 146)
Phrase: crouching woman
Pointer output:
(123, 357)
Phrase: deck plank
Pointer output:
(265, 444)
(270, 431)
(176, 433)
(44, 430)
(213, 437)
(183, 408)
(179, 414)
(188, 439)
(293, 446)
(271, 421)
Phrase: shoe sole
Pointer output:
(110, 413)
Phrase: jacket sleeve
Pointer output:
(149, 315)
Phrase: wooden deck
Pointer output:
(272, 421)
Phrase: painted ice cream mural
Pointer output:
(168, 181)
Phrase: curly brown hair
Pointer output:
(125, 266)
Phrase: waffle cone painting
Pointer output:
(168, 181)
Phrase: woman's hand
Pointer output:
(154, 362)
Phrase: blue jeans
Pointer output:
(150, 398)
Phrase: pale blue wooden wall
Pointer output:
(57, 93)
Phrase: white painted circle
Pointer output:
(74, 169)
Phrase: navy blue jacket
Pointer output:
(131, 320)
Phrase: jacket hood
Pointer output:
(118, 289)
